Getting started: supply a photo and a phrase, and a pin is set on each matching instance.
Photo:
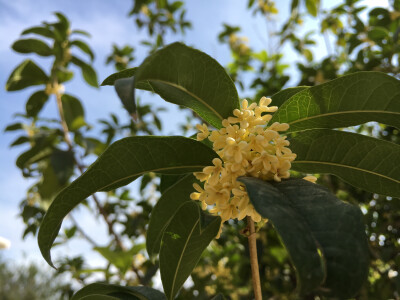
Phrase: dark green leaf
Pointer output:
(73, 112)
(119, 292)
(20, 140)
(365, 162)
(123, 162)
(63, 163)
(35, 103)
(183, 242)
(84, 47)
(24, 75)
(378, 33)
(125, 89)
(43, 31)
(310, 219)
(13, 127)
(167, 181)
(167, 206)
(128, 73)
(32, 46)
(350, 100)
(88, 72)
(188, 77)
(280, 97)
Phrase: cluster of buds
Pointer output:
(247, 147)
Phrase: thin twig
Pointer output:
(255, 273)
(82, 232)
(68, 140)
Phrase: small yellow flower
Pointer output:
(311, 178)
(204, 133)
(247, 146)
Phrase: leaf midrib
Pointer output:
(343, 112)
(180, 258)
(147, 171)
(190, 93)
(346, 166)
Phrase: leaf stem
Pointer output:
(255, 273)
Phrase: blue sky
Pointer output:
(108, 23)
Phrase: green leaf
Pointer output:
(165, 209)
(43, 31)
(365, 162)
(312, 7)
(35, 103)
(119, 292)
(183, 242)
(280, 97)
(166, 181)
(125, 89)
(32, 46)
(84, 47)
(88, 72)
(120, 259)
(378, 33)
(188, 77)
(14, 127)
(128, 73)
(81, 32)
(24, 75)
(323, 235)
(350, 100)
(121, 163)
(73, 112)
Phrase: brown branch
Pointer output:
(68, 140)
(82, 232)
(255, 273)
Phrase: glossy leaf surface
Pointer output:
(120, 164)
(188, 77)
(324, 236)
(183, 242)
(350, 100)
(165, 209)
(365, 162)
(280, 97)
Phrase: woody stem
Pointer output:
(255, 274)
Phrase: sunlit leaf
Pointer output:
(280, 97)
(24, 75)
(73, 112)
(350, 100)
(365, 162)
(188, 77)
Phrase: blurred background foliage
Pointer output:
(57, 149)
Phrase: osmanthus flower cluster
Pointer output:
(247, 147)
